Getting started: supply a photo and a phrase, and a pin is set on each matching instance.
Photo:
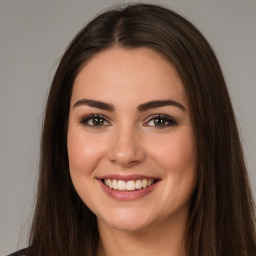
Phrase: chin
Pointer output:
(127, 220)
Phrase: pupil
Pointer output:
(98, 121)
(159, 122)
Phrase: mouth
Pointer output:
(129, 187)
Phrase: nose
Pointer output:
(126, 147)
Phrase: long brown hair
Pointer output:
(221, 219)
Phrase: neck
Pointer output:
(165, 239)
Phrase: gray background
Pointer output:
(34, 34)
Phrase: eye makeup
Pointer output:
(158, 121)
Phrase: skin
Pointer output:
(132, 142)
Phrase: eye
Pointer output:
(95, 121)
(160, 121)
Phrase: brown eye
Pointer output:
(95, 121)
(161, 121)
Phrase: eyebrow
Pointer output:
(94, 104)
(160, 103)
(141, 108)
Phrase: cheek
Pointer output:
(84, 154)
(176, 153)
(177, 159)
(84, 151)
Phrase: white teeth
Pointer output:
(138, 184)
(121, 185)
(150, 182)
(114, 184)
(144, 183)
(129, 185)
(110, 183)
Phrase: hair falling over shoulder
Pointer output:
(222, 219)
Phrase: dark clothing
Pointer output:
(18, 253)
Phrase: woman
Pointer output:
(140, 150)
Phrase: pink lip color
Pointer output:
(126, 195)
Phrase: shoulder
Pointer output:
(19, 253)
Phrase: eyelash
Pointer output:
(165, 118)
(85, 120)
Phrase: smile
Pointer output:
(129, 185)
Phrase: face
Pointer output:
(131, 147)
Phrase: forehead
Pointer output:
(138, 75)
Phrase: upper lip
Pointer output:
(126, 177)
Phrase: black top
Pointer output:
(18, 253)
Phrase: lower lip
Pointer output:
(127, 195)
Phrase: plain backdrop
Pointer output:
(33, 36)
